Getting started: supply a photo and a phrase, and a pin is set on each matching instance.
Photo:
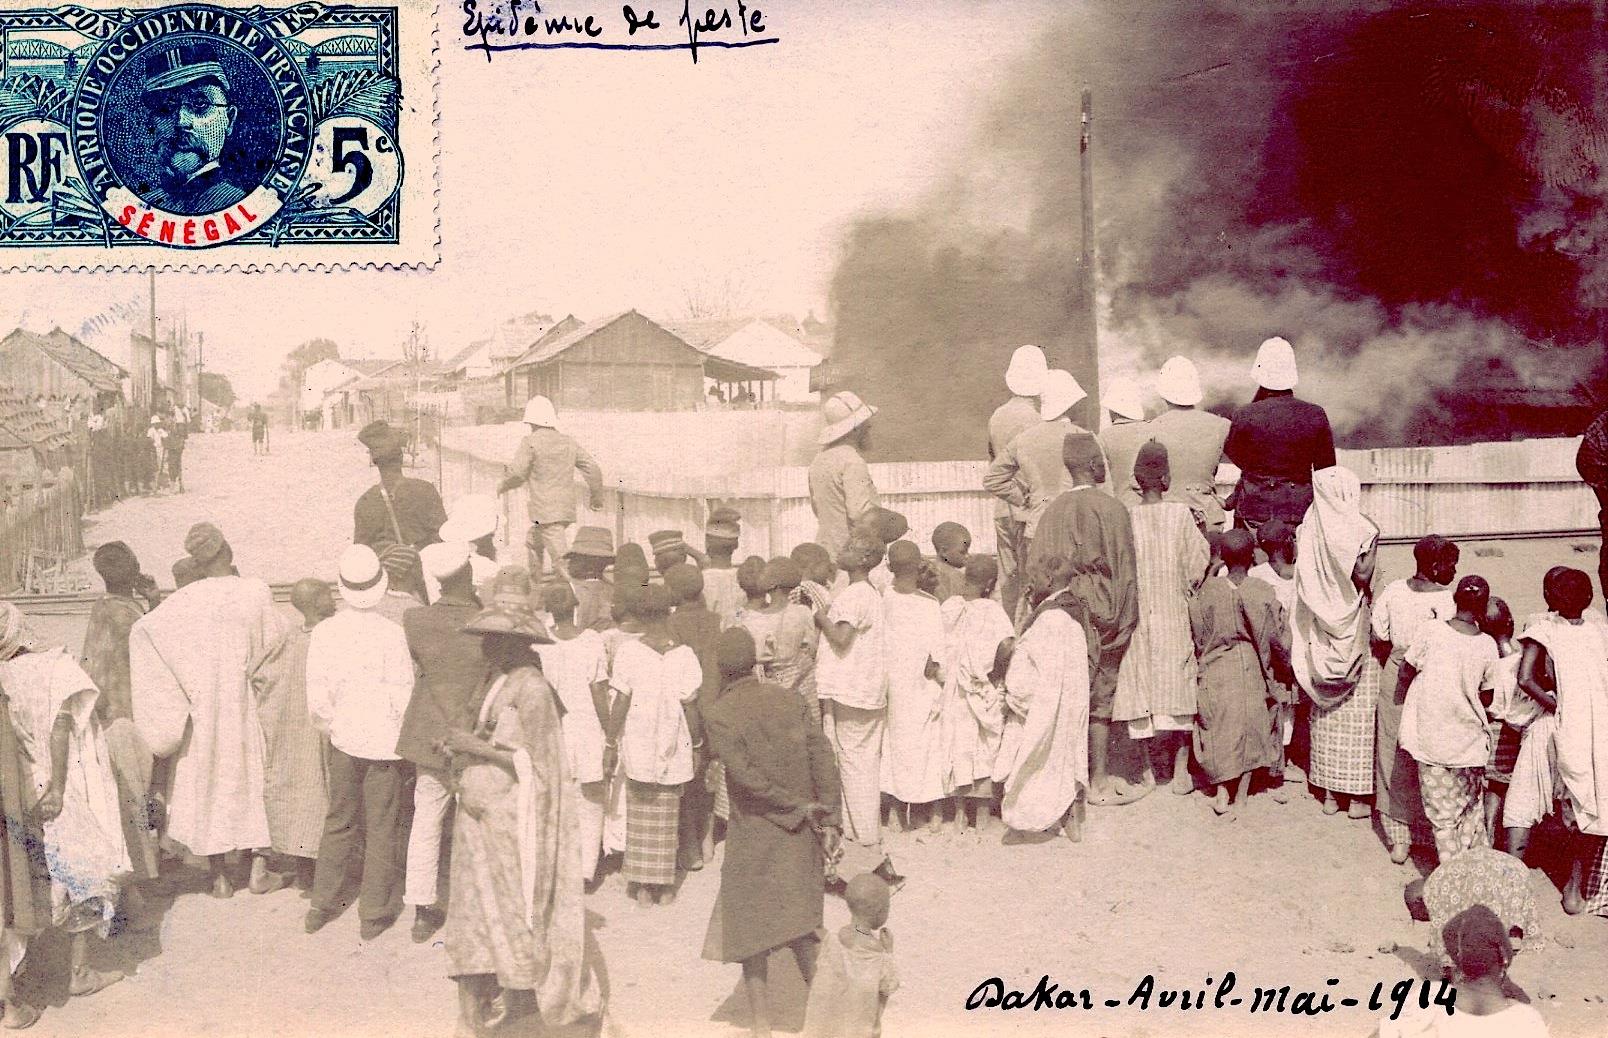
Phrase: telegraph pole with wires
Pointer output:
(1091, 319)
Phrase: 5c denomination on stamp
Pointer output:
(195, 134)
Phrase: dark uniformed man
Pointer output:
(398, 516)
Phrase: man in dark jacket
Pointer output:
(1277, 441)
(452, 679)
(398, 516)
(783, 783)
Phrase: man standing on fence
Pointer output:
(545, 465)
(1592, 462)
(841, 490)
(1025, 379)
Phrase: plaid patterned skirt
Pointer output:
(1343, 738)
(652, 814)
(1454, 801)
(1594, 877)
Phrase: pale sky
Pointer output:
(589, 182)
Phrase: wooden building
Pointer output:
(61, 367)
(624, 362)
(33, 440)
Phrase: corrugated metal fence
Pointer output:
(1496, 489)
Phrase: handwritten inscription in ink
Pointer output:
(497, 26)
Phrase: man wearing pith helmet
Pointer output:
(545, 465)
(841, 490)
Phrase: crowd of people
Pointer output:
(134, 451)
(613, 707)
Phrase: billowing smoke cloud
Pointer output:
(1415, 198)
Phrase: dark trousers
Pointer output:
(366, 801)
(1010, 538)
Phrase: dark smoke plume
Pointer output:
(1415, 197)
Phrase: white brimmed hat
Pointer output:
(363, 582)
(471, 517)
(844, 412)
(1122, 398)
(1179, 383)
(1025, 376)
(1061, 392)
(1275, 365)
(539, 412)
(443, 559)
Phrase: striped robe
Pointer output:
(1158, 676)
(295, 761)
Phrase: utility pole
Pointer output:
(200, 370)
(1091, 330)
(150, 395)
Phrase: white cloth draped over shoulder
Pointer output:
(1044, 754)
(189, 660)
(1330, 625)
(1579, 655)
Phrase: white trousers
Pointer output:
(431, 799)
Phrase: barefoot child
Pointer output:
(576, 665)
(854, 971)
(655, 719)
(1235, 622)
(1403, 607)
(1509, 710)
(1443, 721)
(1156, 682)
(1276, 541)
(978, 638)
(912, 758)
(1565, 669)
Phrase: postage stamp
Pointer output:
(197, 135)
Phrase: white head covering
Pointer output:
(472, 517)
(443, 559)
(1061, 391)
(1025, 376)
(363, 583)
(1122, 398)
(16, 633)
(539, 412)
(1330, 624)
(1275, 365)
(1179, 383)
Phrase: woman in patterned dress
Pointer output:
(516, 919)
(1330, 654)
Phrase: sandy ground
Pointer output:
(1284, 895)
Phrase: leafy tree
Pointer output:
(216, 389)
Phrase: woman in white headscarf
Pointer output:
(1330, 652)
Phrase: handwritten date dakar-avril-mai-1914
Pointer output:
(499, 25)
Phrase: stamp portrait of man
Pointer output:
(186, 92)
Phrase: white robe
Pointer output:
(1579, 654)
(912, 748)
(190, 659)
(1044, 754)
(973, 712)
(83, 844)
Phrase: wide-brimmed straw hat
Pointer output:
(516, 623)
(1178, 382)
(1275, 365)
(844, 412)
(1025, 375)
(363, 582)
(1061, 392)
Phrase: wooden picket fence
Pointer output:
(41, 531)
